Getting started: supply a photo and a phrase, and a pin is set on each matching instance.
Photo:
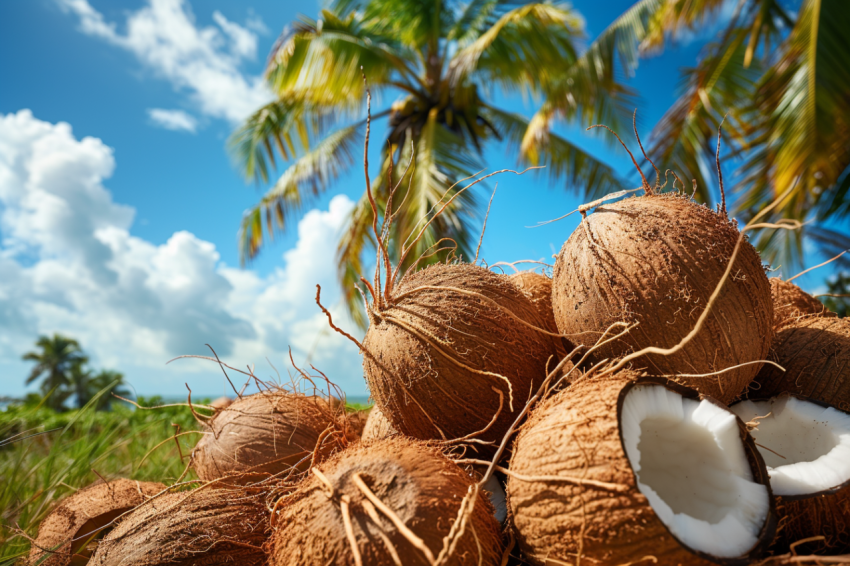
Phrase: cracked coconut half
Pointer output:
(625, 467)
(806, 447)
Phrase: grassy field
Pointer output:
(37, 471)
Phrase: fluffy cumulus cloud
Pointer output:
(69, 264)
(205, 62)
(173, 119)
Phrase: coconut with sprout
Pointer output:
(269, 433)
(377, 426)
(383, 503)
(655, 261)
(203, 527)
(815, 354)
(455, 347)
(790, 302)
(64, 535)
(806, 447)
(538, 288)
(624, 467)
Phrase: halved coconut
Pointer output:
(806, 447)
(815, 355)
(620, 468)
(790, 302)
(267, 434)
(64, 535)
(377, 426)
(203, 527)
(383, 503)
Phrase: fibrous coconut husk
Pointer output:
(63, 534)
(655, 260)
(221, 403)
(440, 360)
(601, 514)
(790, 302)
(815, 353)
(269, 433)
(377, 426)
(201, 527)
(538, 288)
(420, 486)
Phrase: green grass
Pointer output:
(36, 472)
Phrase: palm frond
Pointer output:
(562, 160)
(801, 137)
(320, 61)
(675, 16)
(684, 140)
(304, 180)
(441, 159)
(523, 47)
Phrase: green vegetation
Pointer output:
(61, 364)
(75, 449)
(776, 70)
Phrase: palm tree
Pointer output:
(54, 362)
(109, 382)
(837, 296)
(780, 77)
(80, 378)
(444, 60)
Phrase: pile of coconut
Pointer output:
(651, 398)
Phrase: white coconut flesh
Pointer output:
(690, 463)
(805, 446)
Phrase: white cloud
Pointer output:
(203, 61)
(173, 119)
(69, 264)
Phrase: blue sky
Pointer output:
(119, 205)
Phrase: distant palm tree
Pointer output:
(837, 296)
(80, 378)
(445, 59)
(110, 381)
(54, 363)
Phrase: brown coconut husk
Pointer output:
(655, 261)
(64, 534)
(221, 403)
(600, 512)
(790, 302)
(377, 426)
(409, 505)
(538, 288)
(815, 353)
(272, 433)
(201, 527)
(450, 357)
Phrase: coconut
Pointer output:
(806, 447)
(538, 288)
(388, 498)
(64, 535)
(456, 347)
(791, 302)
(377, 426)
(815, 353)
(622, 468)
(203, 527)
(655, 261)
(221, 403)
(266, 434)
